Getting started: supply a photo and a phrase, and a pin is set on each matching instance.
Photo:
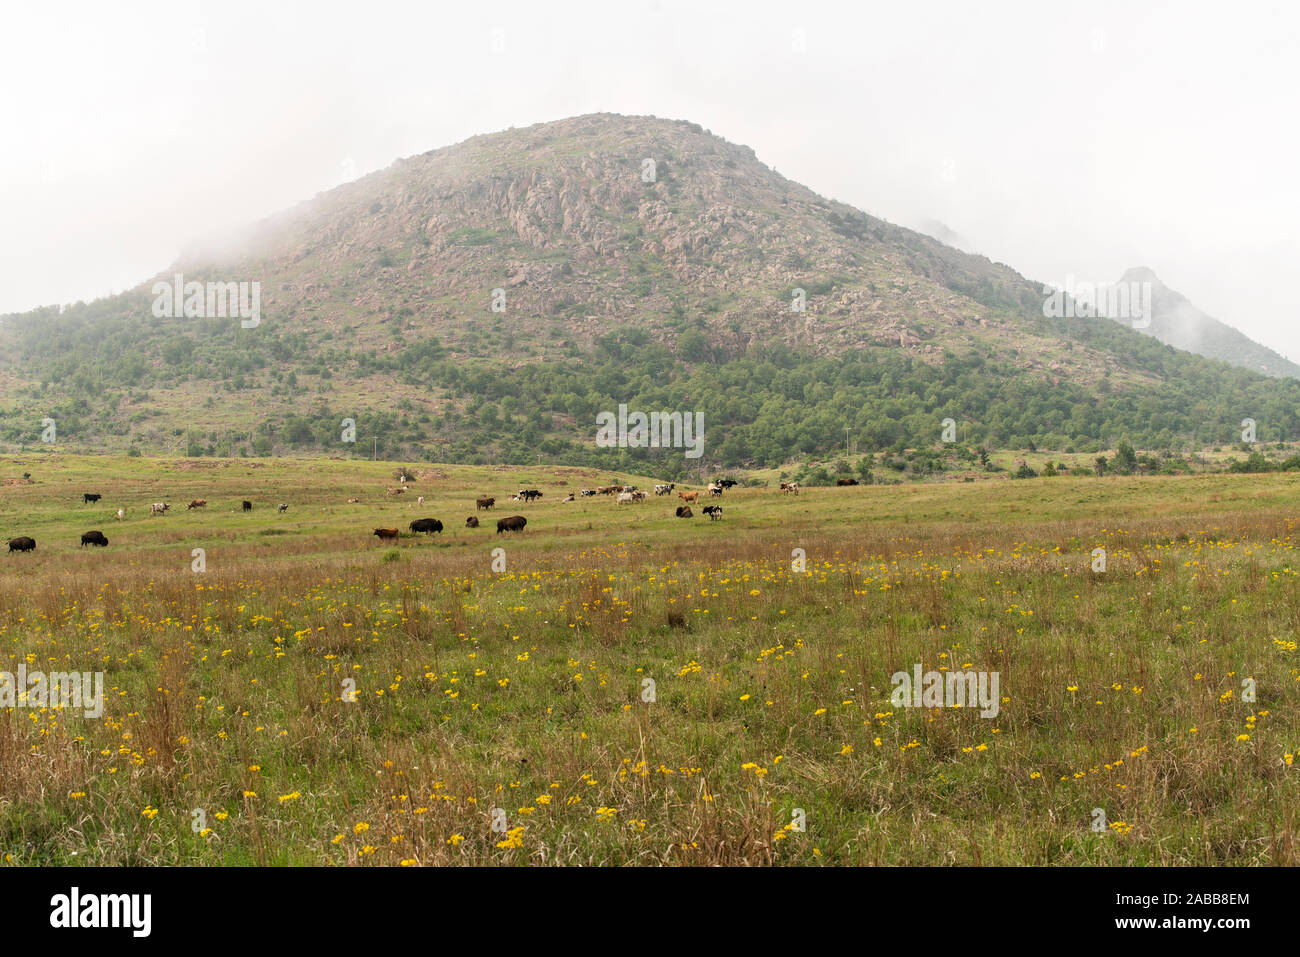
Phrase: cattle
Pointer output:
(471, 522)
(570, 498)
(396, 491)
(486, 502)
(427, 525)
(609, 489)
(713, 511)
(790, 487)
(639, 496)
(688, 496)
(23, 544)
(89, 497)
(529, 494)
(715, 489)
(353, 501)
(684, 511)
(282, 508)
(515, 523)
(246, 505)
(94, 538)
(158, 508)
(726, 483)
(121, 514)
(198, 503)
(662, 489)
(386, 534)
(625, 498)
(587, 492)
(843, 482)
(420, 500)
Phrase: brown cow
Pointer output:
(688, 496)
(386, 534)
(484, 502)
(396, 491)
(198, 503)
(790, 487)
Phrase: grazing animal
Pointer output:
(353, 501)
(715, 489)
(843, 482)
(198, 503)
(23, 544)
(515, 523)
(662, 489)
(89, 497)
(246, 505)
(588, 492)
(484, 503)
(713, 511)
(625, 498)
(790, 487)
(386, 534)
(609, 489)
(93, 538)
(428, 525)
(420, 500)
(282, 508)
(639, 496)
(727, 483)
(684, 511)
(158, 508)
(396, 491)
(471, 522)
(121, 514)
(570, 498)
(529, 494)
(688, 496)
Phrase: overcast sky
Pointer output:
(1058, 139)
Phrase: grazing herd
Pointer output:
(624, 495)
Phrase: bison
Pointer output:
(88, 497)
(23, 544)
(848, 481)
(246, 505)
(198, 503)
(427, 525)
(94, 538)
(386, 534)
(515, 523)
(684, 511)
(471, 522)
(484, 503)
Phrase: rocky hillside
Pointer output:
(486, 300)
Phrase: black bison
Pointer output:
(426, 525)
(484, 503)
(246, 505)
(684, 511)
(23, 544)
(386, 534)
(843, 482)
(471, 522)
(94, 538)
(515, 523)
(89, 497)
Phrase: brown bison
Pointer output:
(688, 496)
(515, 523)
(23, 544)
(471, 522)
(843, 482)
(386, 534)
(198, 503)
(94, 538)
(484, 502)
(684, 511)
(427, 525)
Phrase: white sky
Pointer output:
(1058, 138)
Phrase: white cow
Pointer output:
(121, 514)
(626, 498)
(158, 508)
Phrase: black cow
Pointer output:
(843, 482)
(529, 494)
(246, 505)
(727, 483)
(515, 523)
(23, 544)
(713, 511)
(89, 497)
(426, 525)
(94, 538)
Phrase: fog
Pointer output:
(1059, 140)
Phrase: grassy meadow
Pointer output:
(501, 716)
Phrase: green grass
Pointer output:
(524, 688)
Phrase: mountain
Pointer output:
(484, 302)
(1178, 323)
(945, 234)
